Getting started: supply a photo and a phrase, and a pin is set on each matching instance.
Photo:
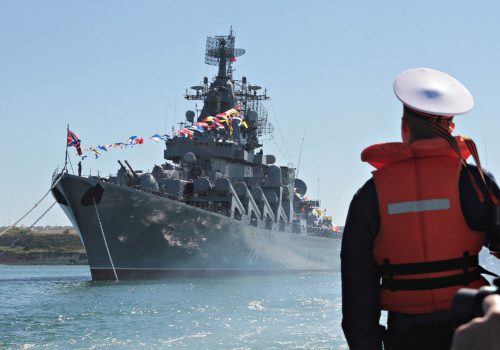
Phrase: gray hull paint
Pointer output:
(149, 235)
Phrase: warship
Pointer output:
(217, 205)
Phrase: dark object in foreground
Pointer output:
(467, 303)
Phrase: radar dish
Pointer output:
(190, 116)
(221, 47)
(227, 53)
(300, 187)
(197, 87)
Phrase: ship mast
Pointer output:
(224, 92)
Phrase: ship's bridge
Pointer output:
(208, 148)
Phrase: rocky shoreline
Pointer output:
(42, 247)
(44, 258)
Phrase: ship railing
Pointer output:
(207, 205)
(55, 174)
(58, 171)
(174, 196)
(323, 231)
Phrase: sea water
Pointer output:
(59, 307)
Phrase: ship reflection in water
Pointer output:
(215, 207)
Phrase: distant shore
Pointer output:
(42, 246)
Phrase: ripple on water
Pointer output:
(65, 310)
(256, 305)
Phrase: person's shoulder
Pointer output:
(490, 178)
(363, 215)
(366, 190)
(365, 199)
(475, 170)
(467, 186)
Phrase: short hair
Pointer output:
(423, 125)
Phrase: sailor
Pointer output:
(414, 230)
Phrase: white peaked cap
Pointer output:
(432, 92)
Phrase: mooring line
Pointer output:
(34, 206)
(105, 242)
(29, 211)
(29, 228)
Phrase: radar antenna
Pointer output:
(220, 50)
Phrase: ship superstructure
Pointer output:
(217, 205)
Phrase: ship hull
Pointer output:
(140, 235)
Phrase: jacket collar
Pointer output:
(381, 154)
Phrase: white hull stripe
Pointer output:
(418, 206)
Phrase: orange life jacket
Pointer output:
(425, 249)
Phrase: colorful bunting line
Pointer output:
(74, 140)
(222, 123)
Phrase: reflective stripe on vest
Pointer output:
(418, 206)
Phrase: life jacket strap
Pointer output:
(431, 283)
(466, 262)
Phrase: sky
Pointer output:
(112, 69)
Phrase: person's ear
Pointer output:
(451, 127)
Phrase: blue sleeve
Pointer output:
(360, 273)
